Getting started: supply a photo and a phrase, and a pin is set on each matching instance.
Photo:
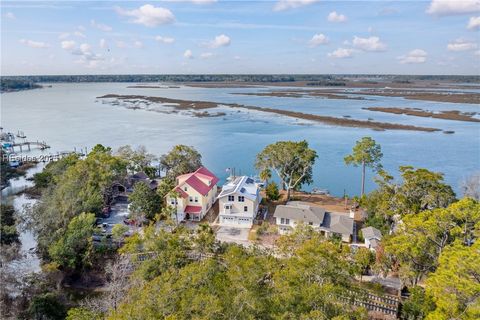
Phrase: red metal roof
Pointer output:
(181, 192)
(194, 181)
(193, 209)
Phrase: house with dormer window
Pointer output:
(238, 202)
(194, 195)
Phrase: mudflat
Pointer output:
(447, 115)
(199, 105)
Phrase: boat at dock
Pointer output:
(320, 191)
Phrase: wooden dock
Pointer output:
(42, 145)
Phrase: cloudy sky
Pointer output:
(208, 36)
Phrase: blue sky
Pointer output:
(207, 36)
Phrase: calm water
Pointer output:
(69, 116)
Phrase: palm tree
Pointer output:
(266, 174)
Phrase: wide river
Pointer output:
(68, 116)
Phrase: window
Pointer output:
(282, 221)
(287, 221)
(196, 199)
(231, 198)
(241, 199)
(310, 223)
(190, 198)
(227, 207)
(185, 189)
(245, 208)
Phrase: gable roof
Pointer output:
(243, 185)
(194, 181)
(371, 233)
(300, 211)
(338, 223)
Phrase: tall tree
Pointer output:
(291, 161)
(421, 190)
(74, 249)
(76, 186)
(365, 153)
(265, 175)
(145, 200)
(421, 238)
(138, 159)
(180, 160)
(455, 285)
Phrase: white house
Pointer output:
(238, 202)
(327, 223)
(194, 195)
(372, 237)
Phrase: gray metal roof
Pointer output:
(300, 211)
(338, 223)
(371, 233)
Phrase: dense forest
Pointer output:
(168, 271)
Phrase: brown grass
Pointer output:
(447, 115)
(199, 105)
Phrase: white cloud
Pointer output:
(100, 26)
(341, 53)
(64, 35)
(474, 23)
(103, 43)
(79, 34)
(34, 44)
(188, 54)
(207, 55)
(414, 56)
(81, 28)
(166, 40)
(477, 53)
(220, 41)
(282, 5)
(148, 15)
(68, 44)
(138, 44)
(461, 45)
(335, 17)
(318, 39)
(9, 15)
(453, 7)
(121, 44)
(85, 47)
(369, 44)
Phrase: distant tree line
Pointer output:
(322, 79)
(14, 84)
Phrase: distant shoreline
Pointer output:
(199, 105)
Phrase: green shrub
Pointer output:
(272, 192)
